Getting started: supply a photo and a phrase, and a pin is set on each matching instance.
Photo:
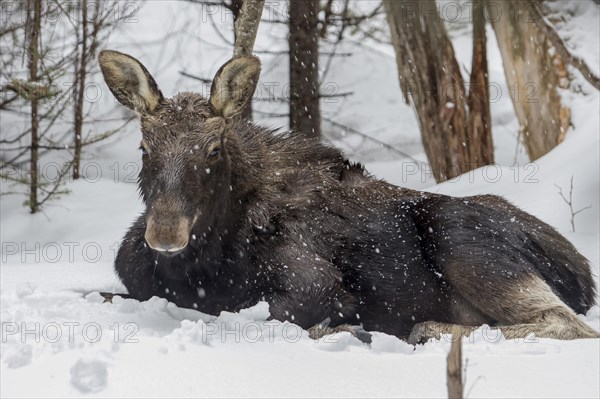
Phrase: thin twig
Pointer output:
(189, 75)
(373, 139)
(570, 203)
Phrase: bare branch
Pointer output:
(569, 202)
(30, 90)
(189, 75)
(372, 139)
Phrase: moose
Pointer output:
(236, 213)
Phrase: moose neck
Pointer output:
(212, 241)
(247, 153)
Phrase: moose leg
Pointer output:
(519, 306)
(312, 296)
(555, 324)
(333, 306)
(423, 332)
(322, 329)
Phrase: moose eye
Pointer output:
(214, 152)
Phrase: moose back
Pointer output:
(237, 213)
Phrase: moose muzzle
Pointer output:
(168, 234)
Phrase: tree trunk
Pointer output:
(454, 367)
(430, 74)
(35, 26)
(246, 26)
(533, 74)
(481, 152)
(246, 19)
(305, 114)
(81, 75)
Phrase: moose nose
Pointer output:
(166, 247)
(166, 236)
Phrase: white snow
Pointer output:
(60, 340)
(89, 375)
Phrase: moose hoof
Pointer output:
(108, 296)
(322, 329)
(361, 334)
(324, 324)
(423, 332)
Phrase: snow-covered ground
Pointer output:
(59, 339)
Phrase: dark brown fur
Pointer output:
(286, 219)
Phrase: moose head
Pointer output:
(187, 147)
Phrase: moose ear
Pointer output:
(129, 81)
(234, 85)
